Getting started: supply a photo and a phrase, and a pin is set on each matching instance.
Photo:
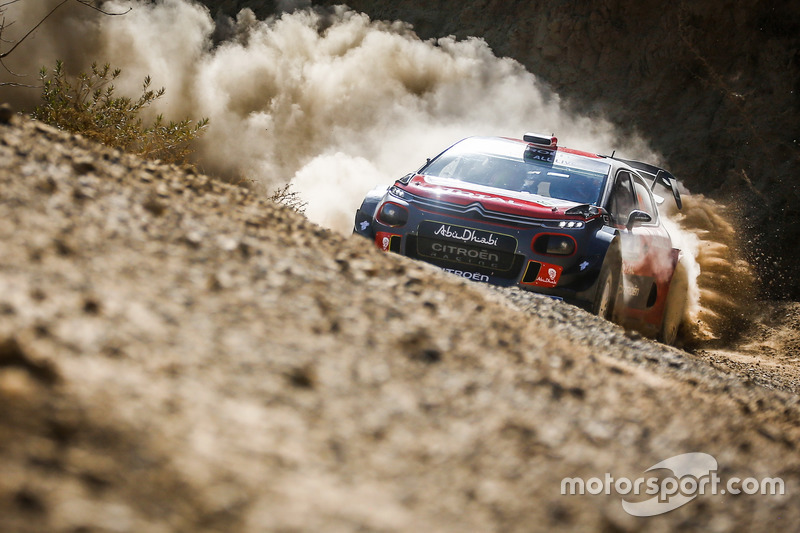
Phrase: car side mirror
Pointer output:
(637, 216)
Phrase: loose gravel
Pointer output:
(177, 354)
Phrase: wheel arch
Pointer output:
(605, 239)
(366, 213)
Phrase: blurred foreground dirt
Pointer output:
(178, 355)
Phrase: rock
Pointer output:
(6, 114)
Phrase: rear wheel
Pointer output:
(607, 296)
(675, 307)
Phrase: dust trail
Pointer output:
(337, 103)
(722, 285)
(716, 283)
(330, 100)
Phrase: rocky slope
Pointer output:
(178, 355)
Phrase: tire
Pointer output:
(607, 297)
(675, 307)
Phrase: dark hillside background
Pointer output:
(713, 85)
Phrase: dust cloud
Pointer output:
(722, 285)
(329, 100)
(334, 102)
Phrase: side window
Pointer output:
(622, 202)
(644, 198)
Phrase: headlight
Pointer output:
(550, 244)
(393, 214)
(570, 224)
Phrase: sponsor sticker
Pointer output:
(468, 236)
(465, 254)
(388, 242)
(540, 154)
(548, 275)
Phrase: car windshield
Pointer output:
(522, 168)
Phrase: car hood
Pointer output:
(494, 199)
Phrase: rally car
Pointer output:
(528, 213)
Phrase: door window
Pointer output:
(622, 200)
(644, 198)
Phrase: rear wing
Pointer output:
(658, 175)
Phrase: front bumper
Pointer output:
(499, 255)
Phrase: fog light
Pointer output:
(392, 214)
(550, 244)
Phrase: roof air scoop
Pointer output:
(541, 140)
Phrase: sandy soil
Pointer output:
(768, 351)
(179, 355)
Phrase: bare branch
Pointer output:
(82, 2)
(90, 6)
(3, 63)
(8, 3)
(15, 84)
(5, 54)
(3, 26)
(2, 29)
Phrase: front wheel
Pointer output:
(607, 298)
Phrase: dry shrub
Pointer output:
(286, 196)
(87, 105)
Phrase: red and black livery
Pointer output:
(528, 213)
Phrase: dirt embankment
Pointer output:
(178, 355)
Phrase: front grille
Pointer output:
(452, 255)
(464, 254)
